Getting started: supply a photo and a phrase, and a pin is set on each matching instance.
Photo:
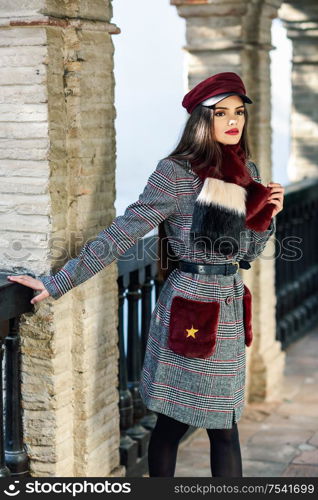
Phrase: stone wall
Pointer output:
(57, 190)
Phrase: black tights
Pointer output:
(225, 452)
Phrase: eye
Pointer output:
(240, 112)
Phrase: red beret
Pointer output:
(221, 84)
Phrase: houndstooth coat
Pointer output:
(207, 392)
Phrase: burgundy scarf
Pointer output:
(228, 203)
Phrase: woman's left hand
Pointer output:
(276, 197)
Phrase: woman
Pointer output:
(209, 201)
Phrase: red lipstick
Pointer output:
(233, 131)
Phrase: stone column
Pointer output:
(57, 152)
(236, 36)
(300, 20)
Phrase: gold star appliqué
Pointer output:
(191, 331)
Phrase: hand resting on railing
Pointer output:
(31, 283)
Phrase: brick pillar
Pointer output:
(236, 36)
(57, 190)
(302, 29)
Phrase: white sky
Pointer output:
(281, 101)
(150, 84)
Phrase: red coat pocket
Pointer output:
(193, 327)
(247, 315)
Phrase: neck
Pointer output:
(231, 147)
(233, 162)
(236, 150)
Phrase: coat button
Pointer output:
(229, 300)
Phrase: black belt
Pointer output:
(225, 269)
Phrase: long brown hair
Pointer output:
(199, 147)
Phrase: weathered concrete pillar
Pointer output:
(300, 20)
(227, 35)
(57, 152)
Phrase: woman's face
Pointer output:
(229, 115)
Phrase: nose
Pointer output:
(232, 122)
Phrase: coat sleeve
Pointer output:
(257, 240)
(157, 201)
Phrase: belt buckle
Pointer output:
(237, 264)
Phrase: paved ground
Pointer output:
(277, 439)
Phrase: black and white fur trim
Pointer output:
(219, 216)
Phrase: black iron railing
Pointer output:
(14, 301)
(296, 265)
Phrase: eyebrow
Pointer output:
(220, 107)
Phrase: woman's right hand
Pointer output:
(31, 283)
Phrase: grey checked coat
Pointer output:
(206, 392)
